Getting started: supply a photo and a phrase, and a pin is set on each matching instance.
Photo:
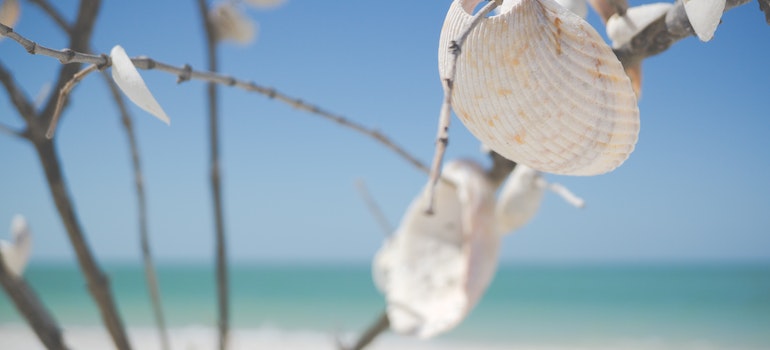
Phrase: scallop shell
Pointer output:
(538, 85)
(704, 16)
(9, 13)
(16, 254)
(436, 267)
(620, 29)
(579, 7)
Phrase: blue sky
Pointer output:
(694, 189)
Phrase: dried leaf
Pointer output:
(131, 83)
(16, 254)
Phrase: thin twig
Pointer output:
(141, 199)
(55, 15)
(68, 56)
(18, 98)
(64, 94)
(447, 81)
(32, 309)
(216, 180)
(11, 131)
(386, 227)
(379, 326)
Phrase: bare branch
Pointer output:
(661, 34)
(141, 199)
(11, 131)
(215, 178)
(64, 94)
(442, 136)
(386, 227)
(18, 98)
(29, 306)
(379, 326)
(55, 15)
(187, 72)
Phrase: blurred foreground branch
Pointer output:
(29, 306)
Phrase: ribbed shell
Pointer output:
(538, 85)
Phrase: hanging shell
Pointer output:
(704, 16)
(519, 199)
(16, 254)
(621, 29)
(436, 267)
(539, 86)
(521, 196)
(579, 7)
(9, 13)
(230, 24)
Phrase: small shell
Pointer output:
(620, 29)
(539, 86)
(436, 267)
(704, 16)
(519, 199)
(16, 254)
(521, 196)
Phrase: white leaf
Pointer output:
(621, 29)
(436, 267)
(230, 24)
(704, 16)
(9, 13)
(16, 254)
(131, 83)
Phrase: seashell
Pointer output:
(578, 7)
(131, 83)
(704, 16)
(16, 254)
(538, 85)
(621, 29)
(230, 24)
(436, 267)
(521, 196)
(9, 13)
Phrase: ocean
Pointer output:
(528, 306)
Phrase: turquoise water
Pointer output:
(724, 306)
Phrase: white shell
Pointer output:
(621, 29)
(230, 24)
(519, 199)
(578, 7)
(521, 196)
(16, 254)
(131, 83)
(9, 13)
(538, 85)
(436, 267)
(704, 16)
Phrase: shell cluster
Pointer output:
(539, 86)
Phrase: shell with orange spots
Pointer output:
(558, 97)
